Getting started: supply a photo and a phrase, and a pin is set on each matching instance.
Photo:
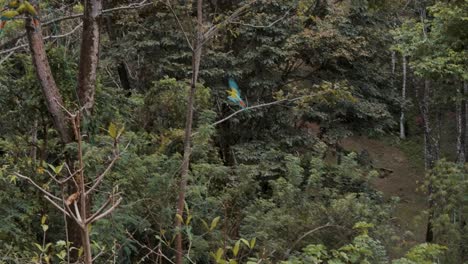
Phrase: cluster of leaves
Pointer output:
(259, 185)
(449, 192)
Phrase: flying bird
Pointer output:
(234, 93)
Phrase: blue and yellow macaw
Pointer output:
(234, 93)
(15, 8)
(7, 16)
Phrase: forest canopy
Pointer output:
(243, 131)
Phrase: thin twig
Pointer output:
(56, 205)
(215, 28)
(74, 16)
(45, 38)
(180, 25)
(151, 251)
(307, 234)
(78, 215)
(106, 212)
(38, 187)
(103, 206)
(101, 176)
(265, 26)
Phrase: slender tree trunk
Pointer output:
(51, 93)
(392, 80)
(403, 99)
(122, 69)
(196, 58)
(431, 151)
(89, 54)
(86, 84)
(33, 153)
(461, 124)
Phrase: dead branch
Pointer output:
(38, 187)
(101, 176)
(106, 212)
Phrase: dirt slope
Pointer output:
(402, 182)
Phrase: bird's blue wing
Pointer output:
(233, 85)
(234, 100)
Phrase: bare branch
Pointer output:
(56, 205)
(151, 251)
(45, 38)
(257, 106)
(264, 26)
(74, 16)
(78, 215)
(106, 212)
(131, 6)
(38, 187)
(103, 206)
(6, 57)
(307, 234)
(101, 176)
(168, 4)
(215, 28)
(70, 211)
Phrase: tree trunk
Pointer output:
(89, 54)
(86, 84)
(431, 150)
(392, 80)
(122, 69)
(461, 123)
(51, 93)
(403, 99)
(196, 58)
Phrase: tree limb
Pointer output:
(106, 212)
(38, 187)
(56, 205)
(101, 176)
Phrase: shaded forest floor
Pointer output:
(407, 173)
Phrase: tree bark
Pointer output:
(122, 69)
(403, 99)
(461, 123)
(51, 93)
(86, 85)
(196, 58)
(431, 150)
(89, 54)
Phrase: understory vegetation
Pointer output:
(118, 143)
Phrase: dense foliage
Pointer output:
(270, 184)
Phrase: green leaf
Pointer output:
(219, 254)
(214, 223)
(189, 218)
(59, 168)
(243, 240)
(13, 179)
(121, 130)
(61, 243)
(47, 246)
(112, 130)
(252, 243)
(178, 216)
(39, 247)
(61, 255)
(43, 219)
(205, 224)
(52, 167)
(236, 248)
